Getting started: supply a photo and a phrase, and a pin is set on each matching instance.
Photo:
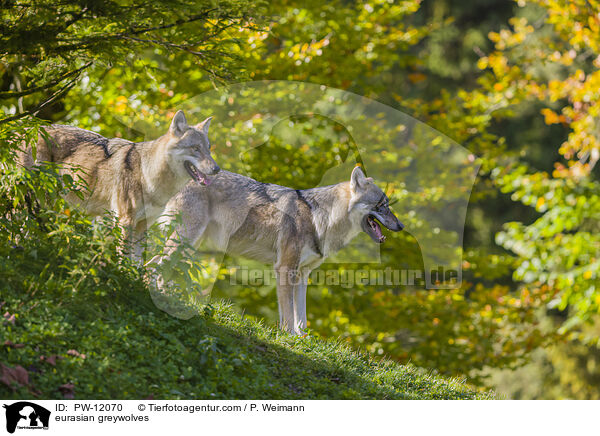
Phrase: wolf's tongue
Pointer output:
(201, 178)
(377, 230)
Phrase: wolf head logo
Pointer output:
(26, 414)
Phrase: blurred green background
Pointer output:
(515, 83)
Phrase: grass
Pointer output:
(120, 346)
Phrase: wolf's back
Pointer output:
(58, 143)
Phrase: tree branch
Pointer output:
(5, 95)
(41, 106)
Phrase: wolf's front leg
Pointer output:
(133, 241)
(285, 297)
(126, 225)
(137, 242)
(177, 234)
(300, 321)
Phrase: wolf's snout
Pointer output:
(395, 224)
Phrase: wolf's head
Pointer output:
(189, 149)
(369, 206)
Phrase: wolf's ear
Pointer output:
(179, 124)
(204, 125)
(358, 179)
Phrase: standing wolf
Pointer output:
(133, 180)
(293, 229)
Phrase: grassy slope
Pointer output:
(134, 350)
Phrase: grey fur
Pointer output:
(295, 230)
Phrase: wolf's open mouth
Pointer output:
(372, 228)
(196, 174)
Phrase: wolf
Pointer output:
(295, 230)
(133, 180)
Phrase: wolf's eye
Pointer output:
(383, 203)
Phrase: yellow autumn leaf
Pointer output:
(550, 117)
(482, 63)
(540, 203)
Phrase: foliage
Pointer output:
(553, 61)
(48, 46)
(346, 45)
(560, 371)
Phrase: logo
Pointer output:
(26, 415)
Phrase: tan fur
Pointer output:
(132, 180)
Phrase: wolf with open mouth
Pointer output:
(134, 180)
(295, 230)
